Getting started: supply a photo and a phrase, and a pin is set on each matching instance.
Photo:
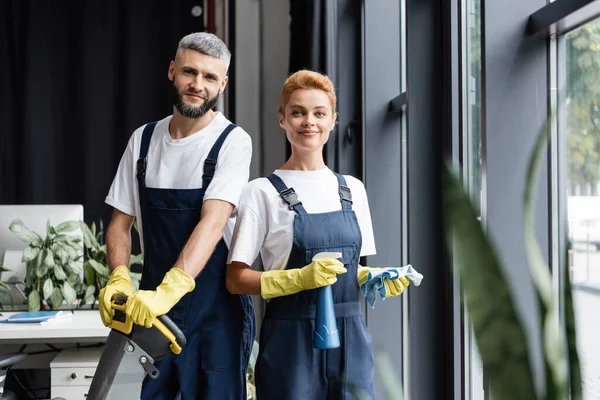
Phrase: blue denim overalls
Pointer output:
(288, 367)
(219, 326)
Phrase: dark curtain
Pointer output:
(76, 78)
(325, 36)
(307, 39)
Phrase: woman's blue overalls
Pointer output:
(219, 326)
(288, 367)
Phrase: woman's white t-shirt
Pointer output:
(179, 164)
(265, 224)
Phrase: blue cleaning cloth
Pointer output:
(375, 281)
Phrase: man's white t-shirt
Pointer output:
(265, 224)
(179, 164)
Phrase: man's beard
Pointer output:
(189, 110)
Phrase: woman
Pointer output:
(289, 217)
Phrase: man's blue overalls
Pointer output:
(288, 367)
(219, 326)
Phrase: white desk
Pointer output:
(69, 367)
(83, 326)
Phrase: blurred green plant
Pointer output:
(95, 267)
(499, 333)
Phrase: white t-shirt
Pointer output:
(265, 224)
(179, 164)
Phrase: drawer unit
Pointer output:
(72, 371)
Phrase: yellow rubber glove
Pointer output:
(393, 288)
(317, 274)
(145, 305)
(119, 282)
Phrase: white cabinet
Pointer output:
(72, 371)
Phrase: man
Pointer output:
(181, 178)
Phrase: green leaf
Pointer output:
(56, 299)
(90, 295)
(89, 273)
(89, 238)
(5, 297)
(59, 273)
(90, 290)
(33, 301)
(67, 226)
(74, 279)
(76, 267)
(136, 259)
(69, 293)
(48, 227)
(39, 260)
(48, 289)
(135, 280)
(63, 255)
(101, 269)
(66, 239)
(48, 258)
(3, 269)
(18, 228)
(41, 271)
(498, 331)
(30, 253)
(74, 254)
(553, 342)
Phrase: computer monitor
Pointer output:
(35, 218)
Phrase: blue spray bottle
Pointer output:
(325, 335)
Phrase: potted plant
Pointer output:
(54, 264)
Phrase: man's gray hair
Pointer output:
(208, 44)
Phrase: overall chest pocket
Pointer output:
(349, 253)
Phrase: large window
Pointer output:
(471, 158)
(582, 125)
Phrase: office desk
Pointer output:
(70, 366)
(84, 326)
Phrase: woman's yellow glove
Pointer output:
(392, 287)
(145, 305)
(119, 282)
(319, 273)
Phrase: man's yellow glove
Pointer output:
(119, 282)
(392, 287)
(319, 273)
(145, 305)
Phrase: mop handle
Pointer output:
(163, 323)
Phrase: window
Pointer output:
(472, 161)
(581, 108)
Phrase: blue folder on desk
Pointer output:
(32, 317)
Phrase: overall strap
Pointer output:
(345, 193)
(210, 164)
(287, 194)
(142, 161)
